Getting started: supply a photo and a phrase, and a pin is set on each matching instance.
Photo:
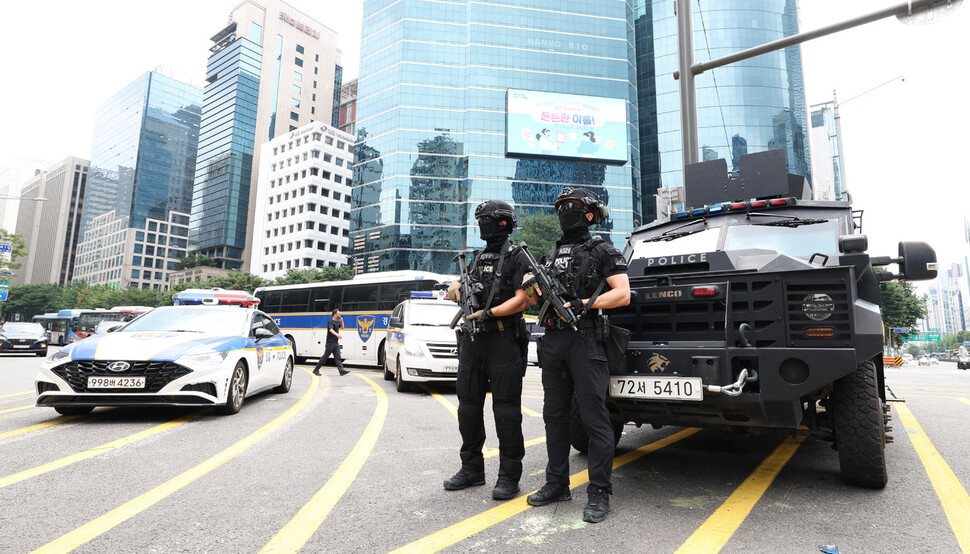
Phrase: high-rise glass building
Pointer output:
(431, 120)
(272, 69)
(748, 106)
(828, 166)
(143, 158)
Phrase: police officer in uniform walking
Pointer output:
(575, 360)
(494, 359)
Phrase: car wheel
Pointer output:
(402, 385)
(73, 410)
(388, 374)
(287, 378)
(860, 428)
(237, 391)
(299, 359)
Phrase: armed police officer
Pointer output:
(494, 356)
(574, 360)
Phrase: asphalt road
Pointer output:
(343, 464)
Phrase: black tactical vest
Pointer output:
(482, 270)
(575, 267)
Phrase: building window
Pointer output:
(299, 49)
(298, 62)
(337, 179)
(316, 136)
(329, 140)
(295, 102)
(333, 247)
(315, 153)
(135, 273)
(294, 116)
(297, 76)
(296, 90)
(321, 245)
(309, 225)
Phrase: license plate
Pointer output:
(657, 388)
(449, 369)
(116, 382)
(21, 346)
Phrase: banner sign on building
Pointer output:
(569, 126)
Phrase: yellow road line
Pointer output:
(126, 511)
(952, 495)
(721, 525)
(92, 452)
(16, 394)
(8, 410)
(57, 421)
(475, 524)
(529, 412)
(298, 531)
(964, 400)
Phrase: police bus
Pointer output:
(88, 320)
(303, 311)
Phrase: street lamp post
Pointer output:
(912, 10)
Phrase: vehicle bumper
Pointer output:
(423, 369)
(774, 399)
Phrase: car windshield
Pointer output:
(191, 319)
(438, 315)
(14, 327)
(801, 241)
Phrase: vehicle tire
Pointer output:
(860, 430)
(73, 410)
(287, 382)
(237, 390)
(388, 374)
(402, 385)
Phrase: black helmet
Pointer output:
(498, 210)
(587, 199)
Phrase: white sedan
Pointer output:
(171, 356)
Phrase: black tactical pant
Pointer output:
(574, 360)
(493, 361)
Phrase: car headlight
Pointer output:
(204, 358)
(59, 355)
(818, 307)
(412, 347)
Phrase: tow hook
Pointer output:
(734, 389)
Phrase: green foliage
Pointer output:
(298, 276)
(19, 249)
(31, 300)
(196, 260)
(539, 230)
(901, 308)
(913, 350)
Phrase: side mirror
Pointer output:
(395, 322)
(113, 328)
(262, 333)
(917, 261)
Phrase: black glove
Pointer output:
(576, 307)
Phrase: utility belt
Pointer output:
(500, 324)
(598, 323)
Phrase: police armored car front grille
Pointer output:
(443, 350)
(819, 312)
(157, 374)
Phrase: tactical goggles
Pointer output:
(570, 206)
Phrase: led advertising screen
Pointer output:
(570, 126)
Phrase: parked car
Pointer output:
(23, 338)
(928, 360)
(963, 358)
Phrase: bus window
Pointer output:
(270, 300)
(326, 299)
(296, 300)
(391, 294)
(360, 298)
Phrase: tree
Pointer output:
(31, 300)
(18, 250)
(539, 230)
(297, 276)
(901, 308)
(196, 260)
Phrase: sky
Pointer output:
(904, 142)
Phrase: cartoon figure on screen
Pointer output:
(589, 145)
(546, 140)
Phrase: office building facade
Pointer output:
(51, 228)
(431, 120)
(828, 162)
(748, 106)
(303, 201)
(143, 157)
(272, 69)
(13, 175)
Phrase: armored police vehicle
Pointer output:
(760, 308)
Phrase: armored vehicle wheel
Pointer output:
(577, 433)
(860, 430)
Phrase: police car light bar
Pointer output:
(422, 294)
(212, 297)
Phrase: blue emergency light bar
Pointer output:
(213, 297)
(422, 294)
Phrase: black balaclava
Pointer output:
(574, 224)
(494, 233)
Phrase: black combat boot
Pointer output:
(463, 479)
(506, 488)
(549, 492)
(597, 506)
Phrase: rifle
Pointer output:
(469, 301)
(551, 290)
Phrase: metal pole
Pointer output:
(688, 92)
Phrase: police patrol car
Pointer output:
(421, 345)
(212, 348)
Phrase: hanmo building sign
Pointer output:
(305, 28)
